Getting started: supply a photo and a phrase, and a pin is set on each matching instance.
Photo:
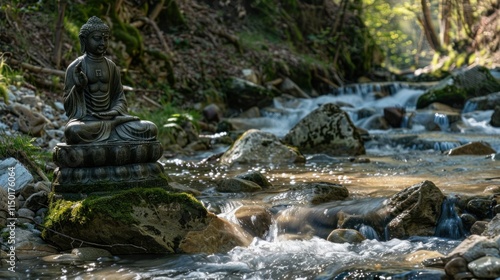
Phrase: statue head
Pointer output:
(93, 24)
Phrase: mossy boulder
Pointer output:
(460, 87)
(138, 221)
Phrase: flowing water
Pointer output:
(395, 160)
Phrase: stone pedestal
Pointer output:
(104, 167)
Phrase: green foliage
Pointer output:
(169, 117)
(22, 148)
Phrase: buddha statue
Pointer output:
(93, 95)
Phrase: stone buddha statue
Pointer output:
(93, 95)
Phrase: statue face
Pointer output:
(97, 42)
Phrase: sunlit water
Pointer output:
(392, 164)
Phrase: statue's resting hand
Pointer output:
(80, 78)
(113, 114)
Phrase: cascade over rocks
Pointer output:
(328, 130)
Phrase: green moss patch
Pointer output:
(117, 207)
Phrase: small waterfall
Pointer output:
(449, 223)
(445, 146)
(442, 121)
(469, 107)
(368, 232)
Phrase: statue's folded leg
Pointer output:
(79, 132)
(137, 131)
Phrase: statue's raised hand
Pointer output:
(81, 79)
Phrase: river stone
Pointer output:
(475, 247)
(236, 185)
(493, 227)
(415, 210)
(472, 148)
(487, 102)
(456, 265)
(485, 267)
(22, 175)
(255, 177)
(495, 117)
(255, 219)
(479, 207)
(345, 236)
(34, 249)
(327, 130)
(394, 115)
(256, 146)
(138, 221)
(459, 87)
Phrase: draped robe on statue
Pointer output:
(103, 93)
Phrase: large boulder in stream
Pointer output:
(460, 87)
(328, 130)
(138, 221)
(256, 146)
(414, 211)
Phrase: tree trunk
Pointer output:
(56, 55)
(468, 17)
(444, 26)
(430, 33)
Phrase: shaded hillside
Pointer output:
(184, 51)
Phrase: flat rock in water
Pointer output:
(473, 148)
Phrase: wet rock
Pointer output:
(475, 247)
(415, 210)
(456, 265)
(459, 87)
(493, 227)
(327, 130)
(485, 267)
(255, 219)
(345, 236)
(149, 220)
(313, 192)
(217, 237)
(467, 220)
(481, 208)
(495, 118)
(425, 257)
(32, 249)
(256, 146)
(22, 175)
(394, 115)
(255, 177)
(487, 102)
(236, 185)
(472, 148)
